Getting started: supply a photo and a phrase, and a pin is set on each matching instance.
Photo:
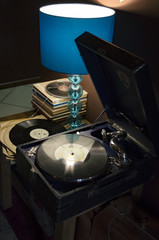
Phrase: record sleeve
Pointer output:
(40, 90)
(57, 117)
(58, 88)
(53, 111)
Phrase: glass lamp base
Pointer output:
(75, 91)
(74, 106)
(75, 78)
(74, 121)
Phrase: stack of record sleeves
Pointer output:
(51, 98)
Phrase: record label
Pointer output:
(39, 133)
(71, 153)
(63, 88)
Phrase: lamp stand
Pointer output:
(75, 91)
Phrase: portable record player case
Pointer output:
(137, 117)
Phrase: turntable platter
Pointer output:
(72, 157)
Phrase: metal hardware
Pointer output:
(128, 120)
(114, 139)
(99, 116)
(117, 137)
(104, 135)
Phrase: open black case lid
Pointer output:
(123, 84)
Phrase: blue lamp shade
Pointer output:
(61, 24)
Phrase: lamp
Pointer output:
(60, 25)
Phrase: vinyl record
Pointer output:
(72, 157)
(33, 129)
(58, 89)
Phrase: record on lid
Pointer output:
(33, 129)
(72, 157)
(58, 89)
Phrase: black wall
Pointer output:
(19, 40)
